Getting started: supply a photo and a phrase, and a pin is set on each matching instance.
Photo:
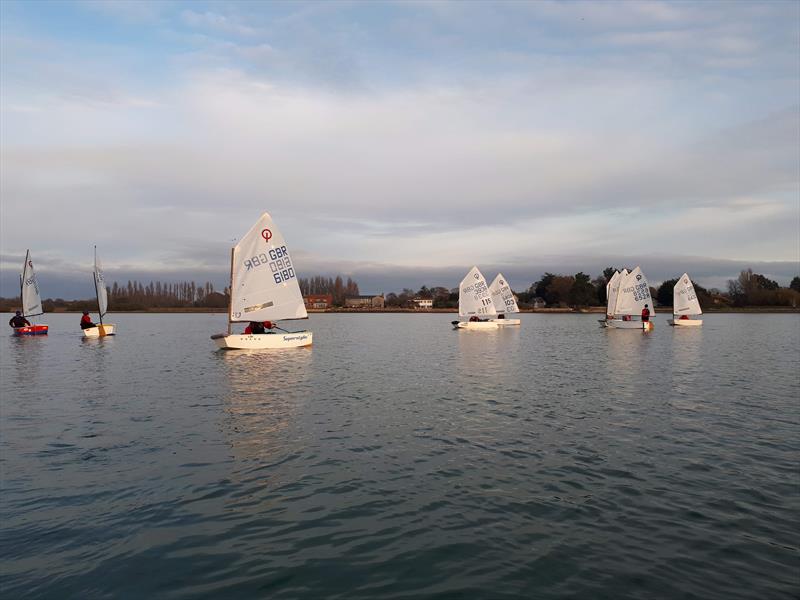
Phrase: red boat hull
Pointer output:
(31, 330)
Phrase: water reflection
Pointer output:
(27, 353)
(266, 391)
(686, 356)
(483, 352)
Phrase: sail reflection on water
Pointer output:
(267, 390)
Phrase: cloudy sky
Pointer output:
(400, 142)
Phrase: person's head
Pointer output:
(86, 312)
(645, 305)
(268, 324)
(18, 314)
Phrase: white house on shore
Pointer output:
(423, 303)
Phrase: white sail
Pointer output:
(634, 293)
(263, 280)
(31, 301)
(474, 298)
(612, 287)
(100, 287)
(614, 295)
(502, 296)
(684, 298)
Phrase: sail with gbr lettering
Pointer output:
(29, 288)
(634, 293)
(474, 298)
(264, 283)
(502, 296)
(684, 298)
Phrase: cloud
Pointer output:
(410, 136)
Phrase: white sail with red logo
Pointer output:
(684, 298)
(29, 289)
(474, 298)
(502, 296)
(633, 295)
(264, 284)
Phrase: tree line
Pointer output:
(336, 287)
(137, 295)
(555, 290)
(581, 290)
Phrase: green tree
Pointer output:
(582, 292)
(795, 284)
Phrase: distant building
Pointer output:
(423, 303)
(318, 301)
(539, 302)
(363, 301)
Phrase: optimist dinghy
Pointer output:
(475, 302)
(685, 304)
(629, 297)
(503, 300)
(30, 299)
(264, 287)
(103, 329)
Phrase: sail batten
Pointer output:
(474, 298)
(502, 296)
(684, 298)
(29, 289)
(264, 284)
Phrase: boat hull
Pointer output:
(686, 322)
(263, 341)
(31, 330)
(475, 325)
(506, 322)
(620, 324)
(100, 331)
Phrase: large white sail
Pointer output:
(684, 298)
(634, 293)
(263, 280)
(100, 287)
(502, 296)
(474, 298)
(31, 301)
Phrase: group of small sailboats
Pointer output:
(485, 305)
(31, 301)
(628, 299)
(264, 288)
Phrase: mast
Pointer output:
(22, 281)
(96, 289)
(230, 294)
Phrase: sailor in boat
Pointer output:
(86, 321)
(476, 319)
(256, 327)
(645, 314)
(18, 321)
(684, 318)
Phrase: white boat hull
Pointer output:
(620, 324)
(99, 331)
(686, 322)
(506, 322)
(475, 325)
(261, 341)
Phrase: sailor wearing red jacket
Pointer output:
(86, 321)
(645, 314)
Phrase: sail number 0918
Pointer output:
(278, 261)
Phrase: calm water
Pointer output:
(401, 459)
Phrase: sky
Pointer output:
(400, 143)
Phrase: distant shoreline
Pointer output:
(358, 311)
